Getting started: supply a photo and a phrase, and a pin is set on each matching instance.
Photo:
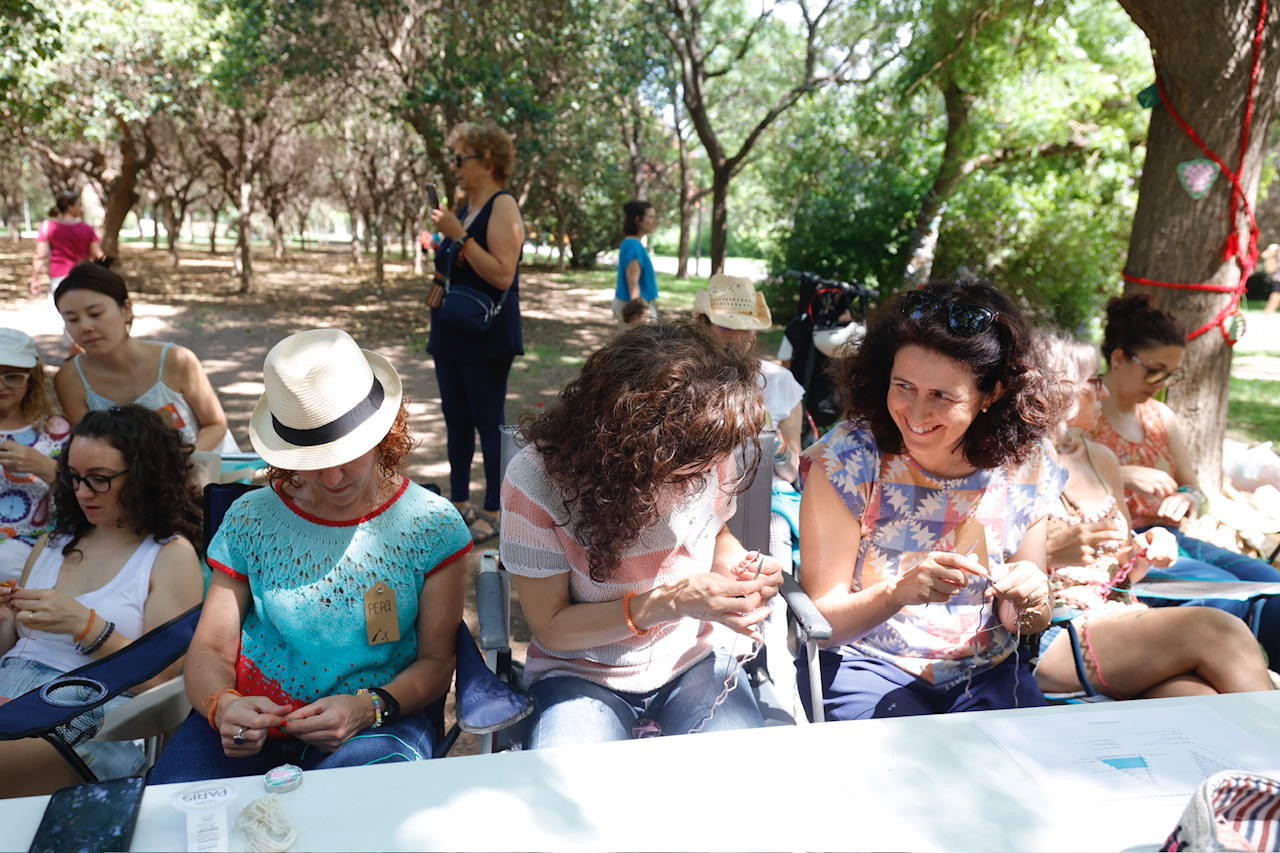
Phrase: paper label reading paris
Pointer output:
(381, 616)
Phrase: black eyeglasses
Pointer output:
(15, 379)
(1157, 375)
(964, 319)
(99, 484)
(458, 159)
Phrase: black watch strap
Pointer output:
(390, 707)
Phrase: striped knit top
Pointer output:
(538, 542)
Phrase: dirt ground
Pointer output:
(196, 306)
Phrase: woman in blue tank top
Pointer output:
(481, 249)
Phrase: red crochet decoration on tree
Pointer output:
(1246, 256)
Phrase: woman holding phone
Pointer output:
(481, 250)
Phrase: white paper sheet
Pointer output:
(1096, 756)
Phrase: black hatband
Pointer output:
(336, 428)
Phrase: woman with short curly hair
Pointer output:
(119, 563)
(933, 492)
(615, 531)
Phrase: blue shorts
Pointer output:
(860, 688)
(107, 759)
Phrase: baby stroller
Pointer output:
(833, 314)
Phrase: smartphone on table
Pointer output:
(92, 817)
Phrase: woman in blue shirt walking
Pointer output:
(636, 278)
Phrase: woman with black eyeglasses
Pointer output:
(922, 525)
(1143, 347)
(119, 562)
(481, 250)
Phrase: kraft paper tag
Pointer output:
(381, 616)
(971, 540)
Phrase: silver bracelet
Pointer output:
(107, 631)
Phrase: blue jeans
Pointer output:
(1206, 561)
(195, 752)
(861, 688)
(569, 710)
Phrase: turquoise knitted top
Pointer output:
(304, 635)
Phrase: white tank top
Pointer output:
(120, 600)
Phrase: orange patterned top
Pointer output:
(1151, 452)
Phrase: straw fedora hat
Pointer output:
(326, 401)
(733, 302)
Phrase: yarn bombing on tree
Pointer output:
(1246, 256)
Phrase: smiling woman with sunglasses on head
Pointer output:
(119, 562)
(481, 251)
(922, 526)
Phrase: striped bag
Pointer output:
(1231, 810)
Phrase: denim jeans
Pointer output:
(569, 710)
(1205, 561)
(196, 751)
(107, 759)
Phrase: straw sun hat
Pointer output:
(732, 302)
(326, 401)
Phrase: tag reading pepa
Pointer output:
(381, 616)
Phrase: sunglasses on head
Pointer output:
(964, 319)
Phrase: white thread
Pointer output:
(267, 826)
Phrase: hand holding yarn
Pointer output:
(243, 723)
(330, 721)
(49, 610)
(940, 575)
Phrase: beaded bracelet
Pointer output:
(626, 614)
(390, 705)
(93, 614)
(107, 631)
(377, 705)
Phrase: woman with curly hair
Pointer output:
(329, 625)
(616, 511)
(922, 527)
(32, 437)
(119, 562)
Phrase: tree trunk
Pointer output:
(951, 171)
(278, 250)
(244, 230)
(719, 218)
(1204, 55)
(171, 226)
(215, 213)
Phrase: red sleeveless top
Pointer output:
(1151, 452)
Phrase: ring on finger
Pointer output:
(238, 738)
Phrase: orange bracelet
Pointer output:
(626, 614)
(93, 614)
(211, 705)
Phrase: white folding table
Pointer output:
(917, 783)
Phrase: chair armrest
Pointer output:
(153, 712)
(810, 621)
(485, 703)
(493, 603)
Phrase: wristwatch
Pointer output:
(390, 707)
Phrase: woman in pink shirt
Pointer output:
(63, 241)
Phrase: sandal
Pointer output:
(479, 532)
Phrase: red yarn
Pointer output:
(1247, 260)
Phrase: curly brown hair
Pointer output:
(1007, 353)
(393, 451)
(652, 410)
(38, 401)
(159, 494)
(492, 143)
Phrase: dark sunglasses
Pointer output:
(1157, 375)
(964, 319)
(458, 159)
(1095, 382)
(99, 484)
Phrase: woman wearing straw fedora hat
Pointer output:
(736, 311)
(335, 593)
